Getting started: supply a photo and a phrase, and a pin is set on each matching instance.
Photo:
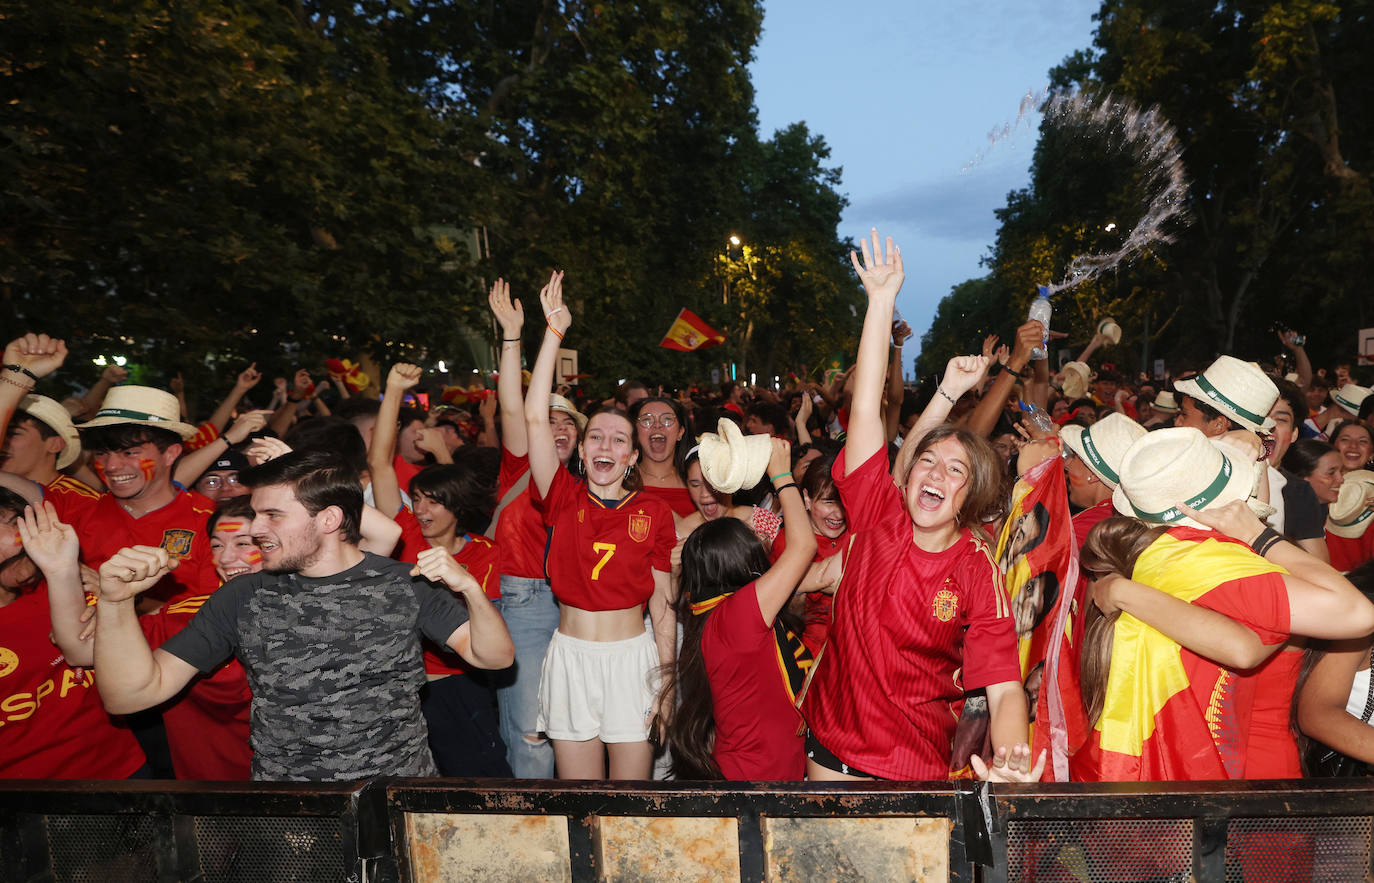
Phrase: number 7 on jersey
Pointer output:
(607, 550)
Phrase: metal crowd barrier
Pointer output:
(440, 830)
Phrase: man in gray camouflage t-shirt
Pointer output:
(328, 634)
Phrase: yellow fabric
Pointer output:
(1147, 667)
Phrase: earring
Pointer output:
(628, 470)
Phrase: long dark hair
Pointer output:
(1310, 751)
(1112, 546)
(18, 573)
(1304, 454)
(720, 556)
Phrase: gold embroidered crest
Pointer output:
(639, 526)
(177, 542)
(945, 605)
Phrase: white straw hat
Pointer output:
(141, 406)
(1240, 390)
(1076, 378)
(1351, 515)
(1350, 397)
(731, 460)
(559, 403)
(1103, 446)
(1180, 465)
(1164, 403)
(1110, 330)
(52, 415)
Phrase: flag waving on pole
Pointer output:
(690, 333)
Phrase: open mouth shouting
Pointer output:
(930, 497)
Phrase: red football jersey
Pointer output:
(603, 553)
(910, 631)
(757, 733)
(520, 530)
(73, 500)
(178, 527)
(679, 499)
(479, 555)
(207, 726)
(818, 604)
(52, 725)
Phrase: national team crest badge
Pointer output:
(945, 605)
(178, 542)
(639, 526)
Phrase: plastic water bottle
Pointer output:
(1037, 418)
(1040, 311)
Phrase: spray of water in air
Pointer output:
(1118, 126)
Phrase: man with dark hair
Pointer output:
(766, 418)
(135, 438)
(328, 634)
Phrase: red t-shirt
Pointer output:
(178, 527)
(818, 604)
(207, 726)
(479, 555)
(757, 729)
(679, 499)
(1272, 751)
(1348, 553)
(1086, 520)
(52, 725)
(911, 631)
(602, 554)
(73, 500)
(520, 530)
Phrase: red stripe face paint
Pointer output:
(100, 472)
(147, 468)
(230, 527)
(253, 557)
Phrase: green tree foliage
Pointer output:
(285, 181)
(971, 311)
(1271, 102)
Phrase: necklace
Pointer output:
(672, 473)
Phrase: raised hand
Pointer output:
(402, 377)
(555, 310)
(246, 424)
(38, 353)
(963, 373)
(780, 458)
(1010, 765)
(431, 440)
(132, 570)
(901, 331)
(248, 378)
(114, 375)
(265, 449)
(881, 274)
(990, 346)
(50, 544)
(510, 315)
(1028, 337)
(804, 408)
(486, 407)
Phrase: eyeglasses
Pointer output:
(649, 421)
(215, 482)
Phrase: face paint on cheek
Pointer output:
(147, 468)
(253, 557)
(100, 472)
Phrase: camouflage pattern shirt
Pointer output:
(334, 664)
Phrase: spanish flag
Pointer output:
(1170, 714)
(690, 333)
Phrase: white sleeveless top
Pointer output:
(1359, 695)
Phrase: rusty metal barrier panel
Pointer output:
(1313, 829)
(663, 831)
(161, 831)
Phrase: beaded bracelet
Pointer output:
(20, 369)
(941, 391)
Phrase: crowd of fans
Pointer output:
(1010, 574)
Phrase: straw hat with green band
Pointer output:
(560, 403)
(1076, 377)
(1350, 397)
(141, 406)
(1103, 446)
(1164, 402)
(1240, 390)
(1181, 465)
(1351, 514)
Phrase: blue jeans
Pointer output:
(531, 615)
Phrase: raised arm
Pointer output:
(483, 640)
(1289, 339)
(510, 316)
(111, 376)
(776, 586)
(386, 489)
(190, 466)
(543, 455)
(132, 676)
(27, 359)
(882, 275)
(892, 412)
(962, 373)
(990, 407)
(54, 547)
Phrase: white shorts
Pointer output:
(598, 689)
